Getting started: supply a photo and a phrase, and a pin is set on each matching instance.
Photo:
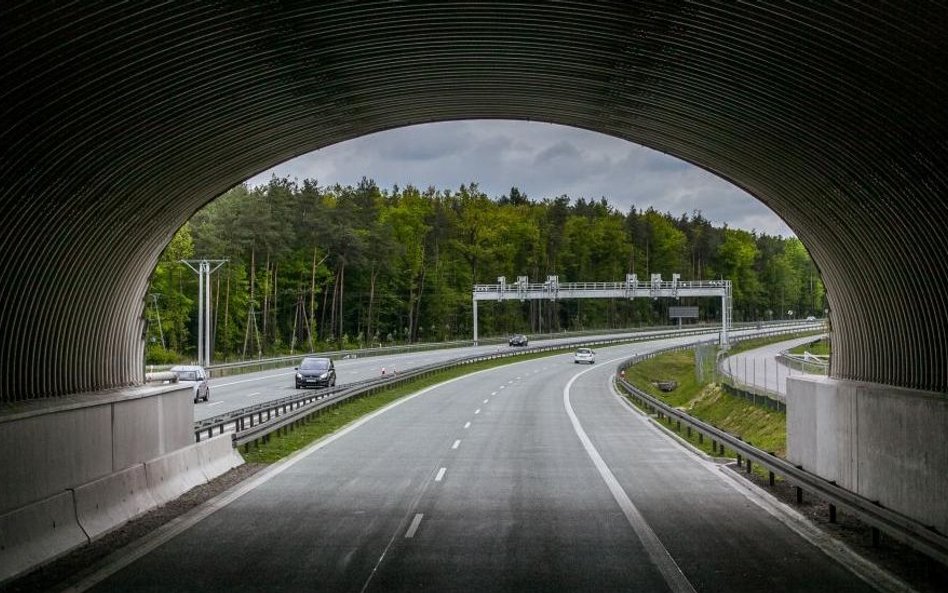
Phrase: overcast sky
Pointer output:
(542, 160)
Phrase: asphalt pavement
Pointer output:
(530, 477)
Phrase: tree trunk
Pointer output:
(373, 276)
(312, 302)
(227, 344)
(266, 298)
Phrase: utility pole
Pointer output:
(204, 271)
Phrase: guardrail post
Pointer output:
(748, 465)
(799, 495)
(688, 428)
(772, 478)
(876, 537)
(832, 510)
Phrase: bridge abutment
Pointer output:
(882, 442)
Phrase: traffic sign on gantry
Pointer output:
(552, 289)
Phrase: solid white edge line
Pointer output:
(874, 575)
(440, 475)
(414, 526)
(657, 552)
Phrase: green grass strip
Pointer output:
(336, 417)
(819, 347)
(763, 428)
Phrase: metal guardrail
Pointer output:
(254, 422)
(259, 364)
(911, 532)
(806, 363)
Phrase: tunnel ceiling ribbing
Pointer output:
(120, 121)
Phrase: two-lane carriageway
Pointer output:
(533, 476)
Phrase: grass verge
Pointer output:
(335, 417)
(763, 428)
(818, 347)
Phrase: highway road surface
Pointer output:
(533, 476)
(240, 391)
(760, 368)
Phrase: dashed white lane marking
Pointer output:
(486, 400)
(414, 526)
(456, 444)
(477, 411)
(254, 394)
(440, 475)
(214, 404)
(216, 385)
(493, 393)
(468, 425)
(502, 386)
(666, 565)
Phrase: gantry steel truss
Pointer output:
(553, 289)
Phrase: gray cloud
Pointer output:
(542, 160)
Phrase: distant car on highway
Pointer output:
(585, 355)
(315, 371)
(196, 377)
(811, 318)
(519, 340)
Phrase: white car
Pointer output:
(196, 377)
(585, 355)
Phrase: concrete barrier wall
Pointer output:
(46, 454)
(171, 475)
(55, 448)
(150, 427)
(37, 533)
(218, 456)
(884, 443)
(106, 503)
(41, 531)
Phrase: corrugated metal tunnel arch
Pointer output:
(121, 120)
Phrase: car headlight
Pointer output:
(324, 375)
(299, 376)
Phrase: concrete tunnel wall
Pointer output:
(120, 121)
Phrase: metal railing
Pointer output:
(256, 421)
(260, 364)
(911, 532)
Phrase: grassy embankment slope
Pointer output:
(705, 400)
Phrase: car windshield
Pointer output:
(186, 375)
(315, 364)
(584, 351)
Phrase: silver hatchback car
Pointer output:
(196, 377)
(585, 355)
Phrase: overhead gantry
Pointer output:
(553, 289)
